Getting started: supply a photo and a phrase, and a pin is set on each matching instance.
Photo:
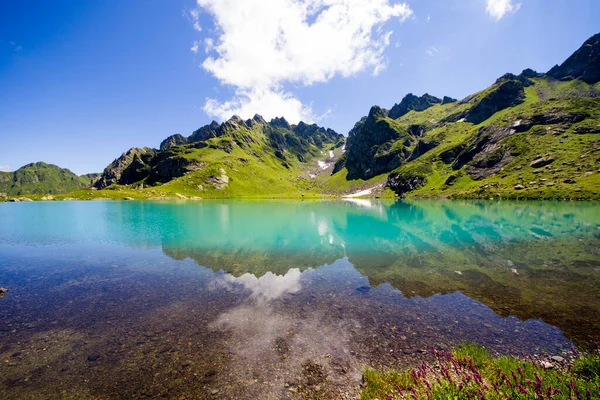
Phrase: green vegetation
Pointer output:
(469, 372)
(527, 136)
(41, 178)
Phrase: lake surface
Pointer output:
(281, 299)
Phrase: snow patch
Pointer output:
(363, 192)
(323, 164)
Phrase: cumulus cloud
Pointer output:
(5, 168)
(194, 48)
(261, 45)
(499, 8)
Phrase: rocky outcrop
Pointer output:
(205, 133)
(173, 140)
(422, 147)
(374, 146)
(507, 93)
(127, 168)
(280, 123)
(402, 184)
(411, 102)
(549, 118)
(539, 162)
(584, 64)
(484, 154)
(3, 291)
(448, 100)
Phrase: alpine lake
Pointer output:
(272, 299)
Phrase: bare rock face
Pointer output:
(584, 64)
(402, 184)
(411, 102)
(370, 146)
(219, 182)
(506, 94)
(173, 140)
(130, 161)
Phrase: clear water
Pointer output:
(276, 299)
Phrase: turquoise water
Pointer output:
(240, 298)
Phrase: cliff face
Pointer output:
(584, 64)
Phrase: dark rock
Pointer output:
(586, 129)
(548, 119)
(512, 77)
(486, 136)
(423, 147)
(3, 291)
(171, 141)
(411, 102)
(417, 130)
(584, 64)
(402, 184)
(133, 165)
(541, 162)
(363, 289)
(488, 162)
(451, 179)
(447, 100)
(281, 123)
(529, 73)
(372, 146)
(503, 95)
(93, 357)
(450, 155)
(205, 133)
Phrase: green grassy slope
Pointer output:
(557, 120)
(40, 178)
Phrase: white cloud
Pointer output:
(194, 17)
(269, 102)
(499, 8)
(5, 168)
(264, 44)
(194, 48)
(431, 51)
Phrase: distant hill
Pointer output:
(42, 178)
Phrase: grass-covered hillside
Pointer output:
(238, 158)
(41, 178)
(527, 136)
(530, 135)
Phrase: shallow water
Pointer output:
(276, 299)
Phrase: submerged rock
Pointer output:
(3, 291)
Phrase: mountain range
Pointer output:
(531, 135)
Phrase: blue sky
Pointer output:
(83, 81)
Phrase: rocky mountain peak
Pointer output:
(411, 102)
(259, 119)
(280, 122)
(584, 64)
